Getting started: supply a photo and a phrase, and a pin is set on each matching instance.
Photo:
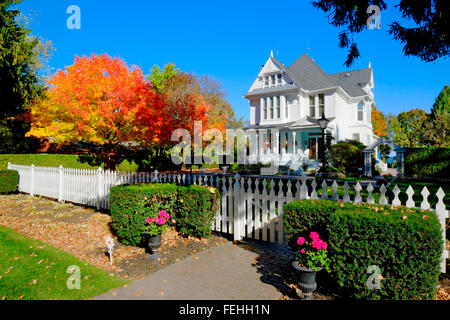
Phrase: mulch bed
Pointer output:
(82, 232)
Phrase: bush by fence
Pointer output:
(427, 162)
(192, 207)
(131, 204)
(8, 181)
(405, 243)
(195, 210)
(55, 160)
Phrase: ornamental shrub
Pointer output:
(302, 216)
(8, 181)
(131, 204)
(427, 162)
(405, 243)
(195, 210)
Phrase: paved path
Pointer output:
(246, 271)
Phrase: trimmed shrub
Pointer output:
(407, 251)
(427, 162)
(195, 210)
(55, 160)
(301, 216)
(131, 204)
(347, 156)
(192, 207)
(8, 181)
(405, 243)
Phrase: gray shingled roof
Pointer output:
(308, 75)
(351, 81)
(271, 90)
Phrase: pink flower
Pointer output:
(314, 235)
(161, 222)
(324, 246)
(164, 215)
(317, 243)
(302, 251)
(149, 220)
(301, 241)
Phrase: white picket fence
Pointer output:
(252, 206)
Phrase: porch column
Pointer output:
(277, 144)
(293, 142)
(400, 163)
(368, 163)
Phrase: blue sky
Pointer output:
(230, 40)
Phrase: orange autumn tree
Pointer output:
(379, 122)
(96, 101)
(179, 110)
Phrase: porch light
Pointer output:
(323, 122)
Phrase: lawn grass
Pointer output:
(418, 186)
(32, 270)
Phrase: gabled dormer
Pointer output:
(272, 74)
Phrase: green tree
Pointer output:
(412, 124)
(20, 83)
(159, 77)
(426, 35)
(436, 131)
(442, 103)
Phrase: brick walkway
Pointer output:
(247, 271)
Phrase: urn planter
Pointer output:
(153, 243)
(306, 279)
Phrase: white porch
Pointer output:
(297, 147)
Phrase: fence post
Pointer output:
(32, 181)
(99, 187)
(237, 214)
(60, 183)
(442, 214)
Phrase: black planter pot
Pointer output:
(306, 279)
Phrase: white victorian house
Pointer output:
(286, 103)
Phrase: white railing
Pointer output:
(251, 206)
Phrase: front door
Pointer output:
(312, 148)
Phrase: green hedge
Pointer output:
(131, 203)
(427, 162)
(55, 160)
(195, 210)
(407, 250)
(192, 207)
(8, 181)
(302, 216)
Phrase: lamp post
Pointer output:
(323, 123)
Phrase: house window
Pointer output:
(273, 80)
(360, 111)
(321, 104)
(279, 78)
(266, 81)
(265, 107)
(278, 98)
(271, 107)
(312, 106)
(356, 136)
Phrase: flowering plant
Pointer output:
(313, 254)
(156, 224)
